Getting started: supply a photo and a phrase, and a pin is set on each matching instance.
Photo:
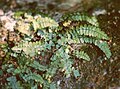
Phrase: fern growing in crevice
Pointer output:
(57, 38)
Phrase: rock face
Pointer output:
(7, 24)
(66, 4)
(7, 21)
(1, 12)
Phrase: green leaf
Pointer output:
(76, 73)
(18, 14)
(52, 86)
(17, 71)
(10, 70)
(33, 76)
(1, 72)
(13, 82)
(38, 66)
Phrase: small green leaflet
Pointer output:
(76, 73)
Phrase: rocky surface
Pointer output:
(96, 74)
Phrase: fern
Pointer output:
(57, 39)
(92, 31)
(86, 30)
(80, 17)
(105, 48)
(40, 22)
(43, 22)
(101, 44)
(38, 66)
(30, 48)
(28, 23)
(13, 82)
(84, 33)
(81, 54)
(33, 76)
(23, 27)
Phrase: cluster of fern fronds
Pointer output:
(53, 44)
(73, 28)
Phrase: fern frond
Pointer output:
(81, 54)
(87, 34)
(25, 25)
(92, 31)
(38, 66)
(88, 30)
(101, 44)
(13, 82)
(80, 17)
(43, 22)
(105, 48)
(30, 48)
(34, 76)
